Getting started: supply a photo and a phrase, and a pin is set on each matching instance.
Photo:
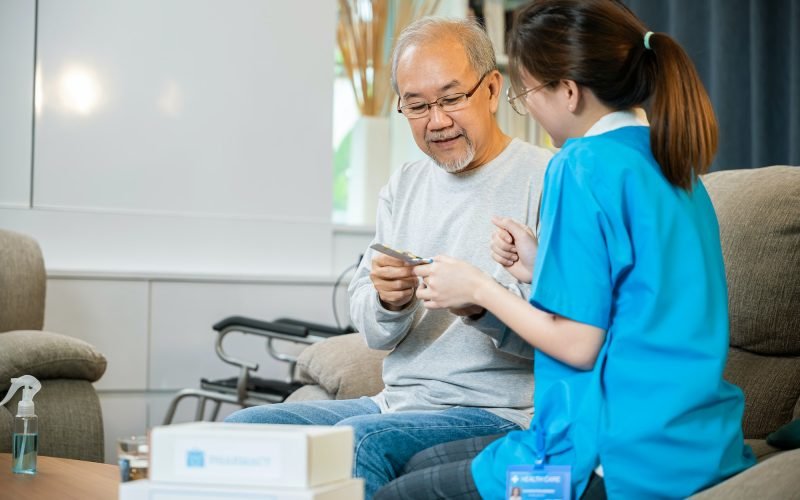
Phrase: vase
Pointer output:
(369, 168)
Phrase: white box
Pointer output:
(143, 489)
(286, 456)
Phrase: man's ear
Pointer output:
(495, 86)
(573, 95)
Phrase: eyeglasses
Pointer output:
(518, 105)
(448, 103)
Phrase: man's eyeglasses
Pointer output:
(448, 103)
(515, 102)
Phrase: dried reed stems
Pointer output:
(362, 36)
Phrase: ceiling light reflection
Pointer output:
(79, 90)
(170, 102)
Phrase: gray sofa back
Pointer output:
(22, 283)
(759, 218)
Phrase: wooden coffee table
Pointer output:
(60, 478)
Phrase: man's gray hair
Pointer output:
(472, 36)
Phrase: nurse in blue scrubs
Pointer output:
(629, 316)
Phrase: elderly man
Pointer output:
(450, 374)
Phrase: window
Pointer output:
(345, 115)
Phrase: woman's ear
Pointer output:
(573, 95)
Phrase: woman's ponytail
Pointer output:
(683, 128)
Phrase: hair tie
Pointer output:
(647, 40)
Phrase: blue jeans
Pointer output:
(383, 442)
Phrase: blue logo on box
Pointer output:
(195, 458)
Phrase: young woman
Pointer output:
(629, 316)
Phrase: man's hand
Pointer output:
(514, 247)
(394, 280)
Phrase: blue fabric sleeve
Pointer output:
(572, 273)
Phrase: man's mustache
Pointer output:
(443, 136)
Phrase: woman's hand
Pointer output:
(449, 283)
(514, 247)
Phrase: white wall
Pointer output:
(17, 20)
(174, 163)
(176, 136)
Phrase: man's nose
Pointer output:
(438, 118)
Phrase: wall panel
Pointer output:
(17, 27)
(110, 315)
(187, 106)
(188, 136)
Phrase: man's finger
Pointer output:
(392, 273)
(396, 296)
(384, 260)
(403, 284)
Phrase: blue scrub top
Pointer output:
(622, 249)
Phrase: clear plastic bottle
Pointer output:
(25, 442)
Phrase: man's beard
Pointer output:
(455, 165)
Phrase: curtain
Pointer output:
(748, 55)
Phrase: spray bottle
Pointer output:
(25, 443)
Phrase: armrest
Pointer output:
(316, 328)
(47, 355)
(775, 477)
(287, 329)
(260, 327)
(282, 326)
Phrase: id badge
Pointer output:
(542, 482)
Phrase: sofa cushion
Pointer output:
(310, 392)
(47, 355)
(344, 366)
(759, 219)
(775, 477)
(22, 283)
(771, 385)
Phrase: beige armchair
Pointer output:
(70, 419)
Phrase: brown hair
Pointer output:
(599, 44)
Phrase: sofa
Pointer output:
(67, 406)
(759, 217)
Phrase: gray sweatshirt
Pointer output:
(440, 360)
